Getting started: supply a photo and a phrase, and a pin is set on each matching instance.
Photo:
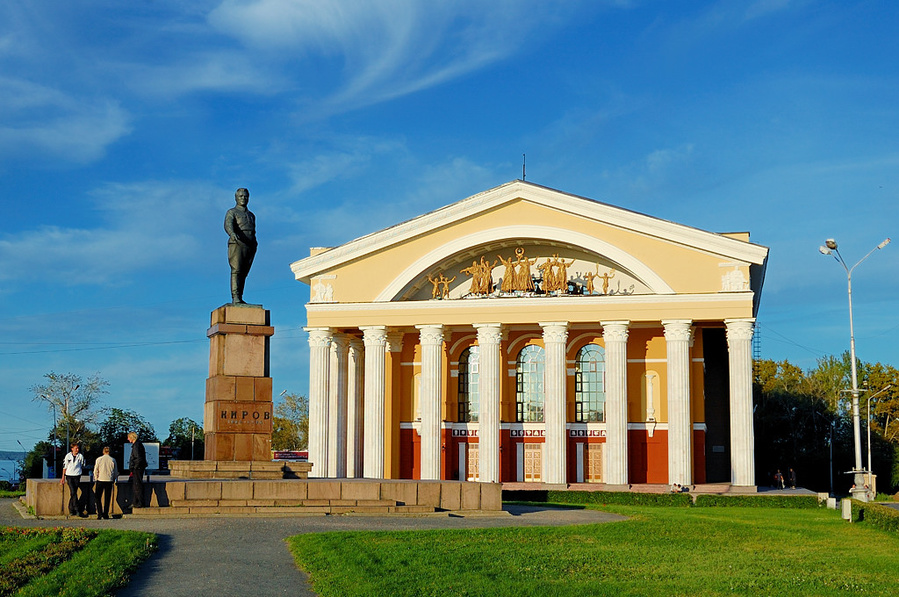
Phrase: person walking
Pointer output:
(105, 474)
(792, 479)
(72, 466)
(137, 464)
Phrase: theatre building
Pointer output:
(528, 335)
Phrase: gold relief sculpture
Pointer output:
(441, 286)
(589, 276)
(555, 274)
(509, 276)
(523, 280)
(436, 284)
(591, 285)
(444, 282)
(481, 276)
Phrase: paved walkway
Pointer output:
(248, 556)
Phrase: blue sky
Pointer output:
(125, 128)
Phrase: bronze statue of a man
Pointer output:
(240, 224)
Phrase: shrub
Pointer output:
(882, 517)
(624, 498)
(758, 501)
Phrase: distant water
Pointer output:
(8, 470)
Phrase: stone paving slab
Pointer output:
(208, 555)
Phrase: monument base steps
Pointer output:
(166, 496)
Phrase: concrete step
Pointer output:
(204, 509)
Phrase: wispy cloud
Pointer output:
(143, 225)
(37, 119)
(389, 48)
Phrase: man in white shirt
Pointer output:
(72, 466)
(105, 474)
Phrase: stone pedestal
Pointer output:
(237, 419)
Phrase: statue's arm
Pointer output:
(234, 231)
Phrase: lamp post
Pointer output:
(830, 248)
(24, 456)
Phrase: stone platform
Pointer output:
(286, 497)
(231, 469)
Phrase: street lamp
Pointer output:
(830, 248)
(24, 456)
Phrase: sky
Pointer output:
(125, 128)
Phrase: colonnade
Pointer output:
(347, 400)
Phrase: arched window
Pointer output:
(529, 385)
(469, 398)
(590, 384)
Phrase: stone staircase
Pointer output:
(201, 508)
(316, 497)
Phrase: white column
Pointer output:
(555, 336)
(319, 362)
(375, 340)
(614, 334)
(355, 379)
(489, 382)
(337, 397)
(678, 335)
(742, 436)
(431, 338)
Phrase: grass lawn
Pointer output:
(69, 561)
(659, 551)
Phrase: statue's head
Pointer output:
(242, 196)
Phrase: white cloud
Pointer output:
(40, 119)
(145, 225)
(388, 48)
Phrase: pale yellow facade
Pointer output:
(386, 340)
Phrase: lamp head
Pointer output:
(824, 250)
(831, 244)
(883, 244)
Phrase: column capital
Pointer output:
(340, 341)
(319, 337)
(375, 335)
(394, 341)
(430, 334)
(554, 331)
(678, 330)
(489, 333)
(614, 331)
(739, 329)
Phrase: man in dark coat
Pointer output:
(137, 464)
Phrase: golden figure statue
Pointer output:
(589, 276)
(481, 276)
(436, 284)
(474, 272)
(509, 277)
(605, 279)
(444, 282)
(523, 279)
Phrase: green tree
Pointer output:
(290, 424)
(186, 439)
(76, 401)
(115, 428)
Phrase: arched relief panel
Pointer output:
(586, 251)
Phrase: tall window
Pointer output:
(469, 398)
(529, 385)
(590, 384)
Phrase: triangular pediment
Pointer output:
(624, 251)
